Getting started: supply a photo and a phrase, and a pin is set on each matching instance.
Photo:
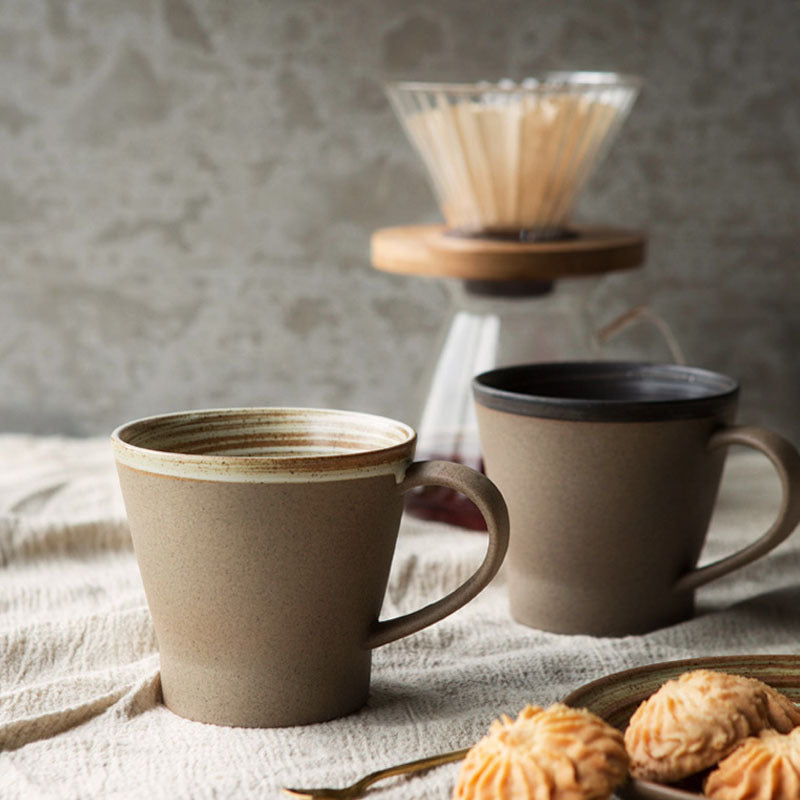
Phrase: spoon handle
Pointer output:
(418, 765)
(358, 788)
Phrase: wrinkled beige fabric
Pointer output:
(80, 711)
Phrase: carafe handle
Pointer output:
(641, 313)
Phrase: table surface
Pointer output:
(80, 710)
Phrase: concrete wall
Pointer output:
(188, 188)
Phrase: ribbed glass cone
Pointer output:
(512, 158)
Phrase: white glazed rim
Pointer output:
(265, 444)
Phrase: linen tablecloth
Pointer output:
(80, 710)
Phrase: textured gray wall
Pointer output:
(187, 190)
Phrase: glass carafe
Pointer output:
(498, 323)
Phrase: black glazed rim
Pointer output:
(605, 391)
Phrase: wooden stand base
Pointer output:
(434, 251)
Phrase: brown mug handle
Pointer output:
(490, 503)
(786, 460)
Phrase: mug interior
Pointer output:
(253, 441)
(605, 390)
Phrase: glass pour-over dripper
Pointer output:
(511, 158)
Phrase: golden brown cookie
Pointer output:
(558, 753)
(782, 714)
(696, 720)
(766, 767)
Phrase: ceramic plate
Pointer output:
(616, 697)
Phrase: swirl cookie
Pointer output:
(694, 721)
(766, 767)
(558, 753)
(782, 714)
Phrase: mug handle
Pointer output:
(490, 503)
(786, 460)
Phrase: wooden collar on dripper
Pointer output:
(436, 251)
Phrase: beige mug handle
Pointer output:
(786, 460)
(490, 503)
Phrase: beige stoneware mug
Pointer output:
(264, 537)
(611, 471)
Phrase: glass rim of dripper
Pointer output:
(542, 82)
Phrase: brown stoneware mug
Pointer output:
(264, 538)
(611, 471)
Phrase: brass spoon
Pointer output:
(358, 788)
